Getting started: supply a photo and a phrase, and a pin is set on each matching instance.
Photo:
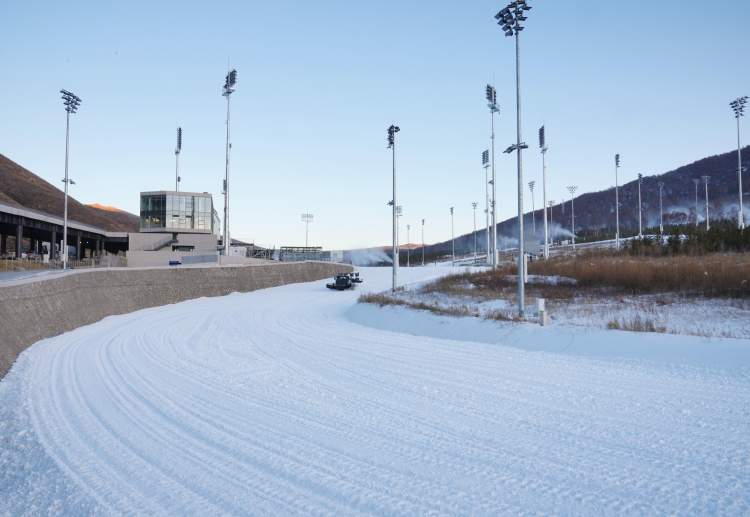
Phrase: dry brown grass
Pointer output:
(636, 324)
(610, 275)
(724, 274)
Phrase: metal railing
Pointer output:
(9, 263)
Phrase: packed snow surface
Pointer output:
(293, 400)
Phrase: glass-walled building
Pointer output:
(180, 212)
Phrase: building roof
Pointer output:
(175, 193)
(21, 188)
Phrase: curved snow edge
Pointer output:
(719, 353)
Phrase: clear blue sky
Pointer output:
(319, 82)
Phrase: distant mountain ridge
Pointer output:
(595, 211)
(20, 187)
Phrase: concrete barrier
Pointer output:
(34, 310)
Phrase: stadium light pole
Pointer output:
(474, 206)
(64, 251)
(705, 181)
(550, 204)
(453, 242)
(572, 189)
(486, 165)
(307, 218)
(423, 242)
(71, 102)
(177, 150)
(696, 182)
(408, 249)
(533, 209)
(392, 130)
(640, 207)
(229, 86)
(738, 106)
(661, 207)
(617, 202)
(543, 148)
(510, 19)
(491, 96)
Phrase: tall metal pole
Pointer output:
(485, 160)
(533, 208)
(741, 214)
(177, 150)
(661, 208)
(738, 106)
(229, 83)
(395, 222)
(408, 248)
(176, 171)
(617, 202)
(640, 220)
(510, 19)
(392, 144)
(71, 101)
(64, 251)
(543, 146)
(423, 242)
(696, 181)
(551, 204)
(453, 242)
(494, 193)
(519, 162)
(573, 218)
(226, 186)
(705, 180)
(572, 189)
(474, 206)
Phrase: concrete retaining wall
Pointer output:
(40, 309)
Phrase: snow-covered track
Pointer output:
(227, 405)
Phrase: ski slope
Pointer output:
(277, 402)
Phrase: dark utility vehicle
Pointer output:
(344, 281)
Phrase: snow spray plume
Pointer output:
(368, 257)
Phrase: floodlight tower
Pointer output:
(392, 130)
(661, 207)
(738, 106)
(453, 242)
(705, 182)
(229, 86)
(408, 249)
(617, 202)
(491, 95)
(307, 218)
(474, 206)
(696, 182)
(486, 164)
(533, 216)
(640, 205)
(572, 189)
(550, 204)
(177, 150)
(510, 19)
(71, 102)
(543, 148)
(423, 242)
